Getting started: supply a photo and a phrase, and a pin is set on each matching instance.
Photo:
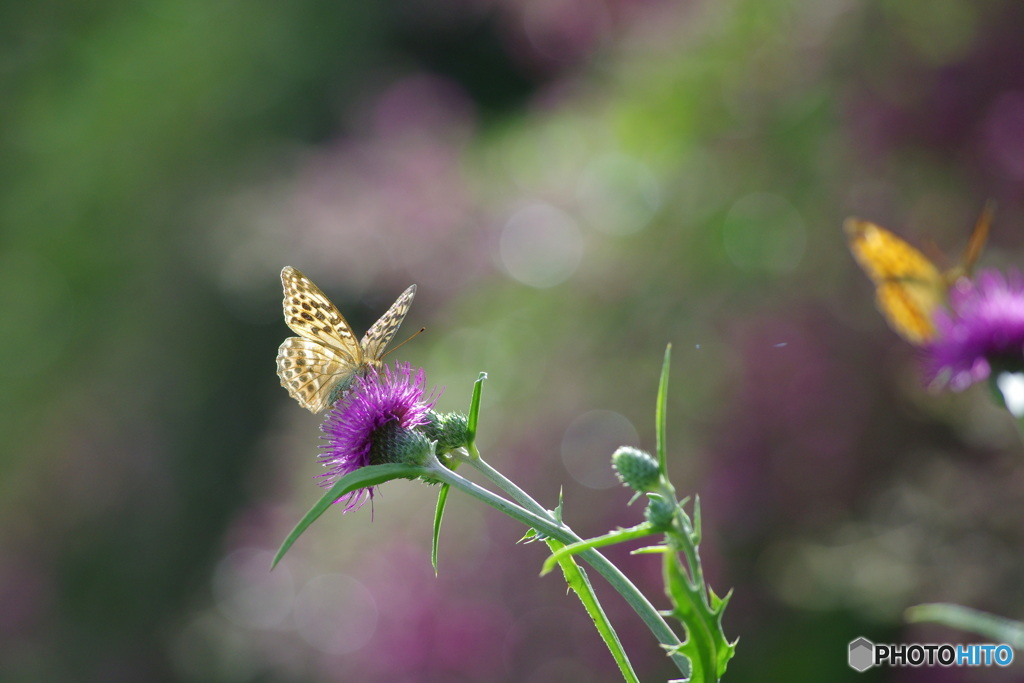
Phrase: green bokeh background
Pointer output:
(572, 185)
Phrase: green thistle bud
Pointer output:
(636, 468)
(660, 511)
(397, 444)
(449, 430)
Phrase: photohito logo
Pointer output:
(863, 654)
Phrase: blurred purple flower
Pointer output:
(985, 326)
(356, 424)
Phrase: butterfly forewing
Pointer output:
(383, 331)
(310, 314)
(886, 257)
(319, 365)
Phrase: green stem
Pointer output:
(611, 538)
(577, 580)
(542, 520)
(684, 539)
(998, 629)
(509, 487)
(574, 575)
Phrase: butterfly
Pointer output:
(319, 365)
(908, 286)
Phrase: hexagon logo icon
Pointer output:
(862, 654)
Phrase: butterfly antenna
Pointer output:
(411, 337)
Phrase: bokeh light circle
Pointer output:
(541, 246)
(336, 614)
(618, 195)
(250, 595)
(588, 444)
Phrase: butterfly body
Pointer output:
(319, 365)
(909, 288)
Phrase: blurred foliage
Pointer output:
(572, 185)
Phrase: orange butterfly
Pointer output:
(908, 286)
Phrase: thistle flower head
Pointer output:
(984, 327)
(375, 423)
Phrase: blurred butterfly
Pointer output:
(908, 286)
(319, 365)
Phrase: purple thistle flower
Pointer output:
(362, 427)
(984, 327)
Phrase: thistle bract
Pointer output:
(449, 430)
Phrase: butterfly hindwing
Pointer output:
(908, 307)
(311, 372)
